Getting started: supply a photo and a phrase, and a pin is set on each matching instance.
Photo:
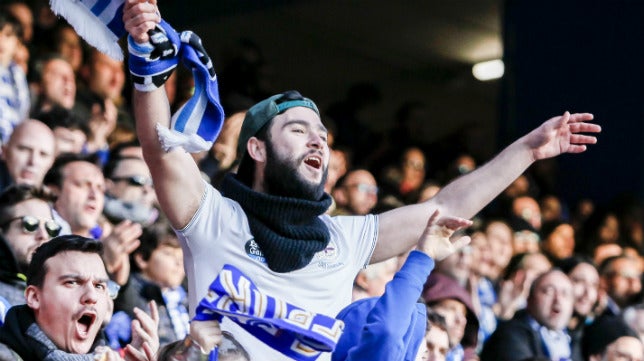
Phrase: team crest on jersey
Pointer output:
(253, 251)
(328, 257)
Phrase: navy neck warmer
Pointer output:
(288, 230)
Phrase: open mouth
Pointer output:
(85, 323)
(313, 161)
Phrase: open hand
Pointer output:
(436, 240)
(561, 134)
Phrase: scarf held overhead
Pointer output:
(196, 125)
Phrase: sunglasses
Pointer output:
(30, 224)
(134, 180)
(365, 188)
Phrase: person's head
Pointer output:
(585, 283)
(67, 289)
(357, 192)
(482, 256)
(558, 239)
(70, 130)
(283, 147)
(159, 258)
(621, 279)
(79, 184)
(457, 265)
(609, 338)
(10, 34)
(452, 301)
(499, 234)
(104, 76)
(550, 301)
(525, 237)
(26, 221)
(551, 208)
(428, 190)
(68, 44)
(22, 12)
(57, 82)
(527, 208)
(413, 168)
(128, 183)
(373, 279)
(29, 152)
(526, 267)
(225, 147)
(436, 337)
(338, 166)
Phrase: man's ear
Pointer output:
(340, 196)
(140, 262)
(32, 294)
(256, 149)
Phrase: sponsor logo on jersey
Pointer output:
(253, 251)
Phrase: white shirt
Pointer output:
(219, 233)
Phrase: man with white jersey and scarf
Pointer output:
(269, 219)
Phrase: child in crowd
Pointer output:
(157, 274)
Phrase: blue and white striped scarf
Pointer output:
(196, 125)
(291, 330)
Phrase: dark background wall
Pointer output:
(581, 56)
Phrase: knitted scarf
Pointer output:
(288, 230)
(22, 334)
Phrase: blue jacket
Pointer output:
(390, 327)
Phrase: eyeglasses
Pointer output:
(30, 224)
(365, 188)
(113, 289)
(135, 180)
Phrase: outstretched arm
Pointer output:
(464, 197)
(175, 172)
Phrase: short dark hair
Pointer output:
(18, 193)
(37, 269)
(55, 174)
(7, 18)
(155, 235)
(60, 117)
(539, 278)
(113, 163)
(246, 170)
(435, 320)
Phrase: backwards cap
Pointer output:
(262, 113)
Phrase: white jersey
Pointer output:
(219, 234)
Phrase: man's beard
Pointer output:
(282, 179)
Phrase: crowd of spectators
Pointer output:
(542, 278)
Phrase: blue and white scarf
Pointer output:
(196, 125)
(291, 330)
(99, 22)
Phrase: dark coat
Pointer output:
(513, 340)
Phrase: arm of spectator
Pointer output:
(145, 335)
(173, 171)
(102, 123)
(400, 228)
(118, 245)
(512, 295)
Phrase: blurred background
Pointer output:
(582, 56)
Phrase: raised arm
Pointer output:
(400, 228)
(177, 179)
